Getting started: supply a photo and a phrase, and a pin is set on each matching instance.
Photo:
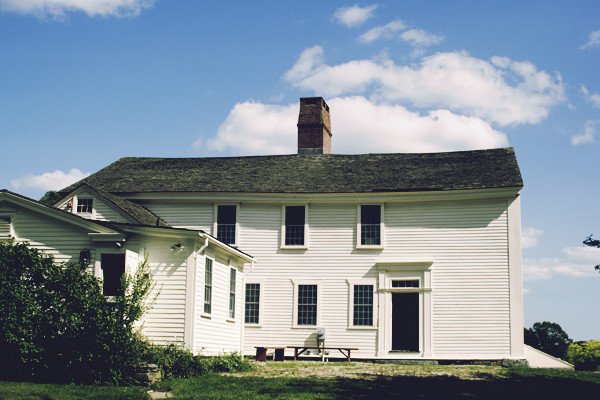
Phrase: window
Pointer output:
(5, 227)
(232, 293)
(294, 225)
(405, 283)
(113, 268)
(252, 311)
(370, 225)
(307, 305)
(208, 285)
(226, 224)
(84, 206)
(362, 313)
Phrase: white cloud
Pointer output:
(530, 237)
(59, 8)
(593, 40)
(589, 135)
(501, 90)
(49, 181)
(576, 262)
(418, 37)
(255, 128)
(388, 31)
(593, 98)
(354, 15)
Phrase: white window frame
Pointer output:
(212, 287)
(230, 310)
(296, 284)
(80, 200)
(283, 227)
(261, 293)
(237, 222)
(351, 283)
(381, 244)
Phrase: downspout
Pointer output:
(204, 246)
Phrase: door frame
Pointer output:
(387, 272)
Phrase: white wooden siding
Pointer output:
(216, 333)
(467, 240)
(190, 216)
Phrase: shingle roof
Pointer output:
(325, 173)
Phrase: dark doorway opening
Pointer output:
(405, 322)
(113, 268)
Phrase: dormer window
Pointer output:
(84, 206)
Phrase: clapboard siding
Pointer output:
(466, 239)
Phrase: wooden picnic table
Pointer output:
(298, 350)
(261, 353)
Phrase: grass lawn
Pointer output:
(308, 380)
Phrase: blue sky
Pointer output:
(85, 82)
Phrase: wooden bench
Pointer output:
(298, 350)
(261, 353)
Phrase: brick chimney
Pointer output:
(314, 126)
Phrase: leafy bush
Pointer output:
(585, 356)
(176, 362)
(56, 325)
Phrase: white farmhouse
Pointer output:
(403, 256)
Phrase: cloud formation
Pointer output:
(255, 128)
(576, 262)
(588, 136)
(593, 40)
(387, 31)
(593, 98)
(354, 15)
(501, 90)
(49, 181)
(530, 237)
(397, 30)
(59, 8)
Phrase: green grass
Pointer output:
(308, 381)
(36, 391)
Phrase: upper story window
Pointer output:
(370, 225)
(295, 227)
(226, 225)
(84, 206)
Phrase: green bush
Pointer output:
(585, 356)
(56, 325)
(176, 362)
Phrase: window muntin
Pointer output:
(405, 283)
(362, 313)
(208, 285)
(252, 310)
(295, 225)
(232, 284)
(84, 205)
(370, 225)
(307, 305)
(226, 223)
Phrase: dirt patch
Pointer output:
(366, 370)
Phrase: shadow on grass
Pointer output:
(384, 387)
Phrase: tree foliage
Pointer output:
(585, 356)
(589, 241)
(50, 198)
(57, 326)
(548, 337)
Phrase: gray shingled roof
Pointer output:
(326, 173)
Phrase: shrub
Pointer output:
(585, 356)
(56, 325)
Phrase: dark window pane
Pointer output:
(370, 225)
(406, 283)
(363, 305)
(252, 303)
(232, 294)
(294, 225)
(307, 304)
(208, 286)
(113, 268)
(226, 224)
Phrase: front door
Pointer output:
(405, 322)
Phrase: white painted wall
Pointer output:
(467, 240)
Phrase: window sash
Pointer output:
(252, 311)
(232, 283)
(370, 225)
(226, 223)
(208, 286)
(363, 305)
(307, 304)
(84, 206)
(295, 221)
